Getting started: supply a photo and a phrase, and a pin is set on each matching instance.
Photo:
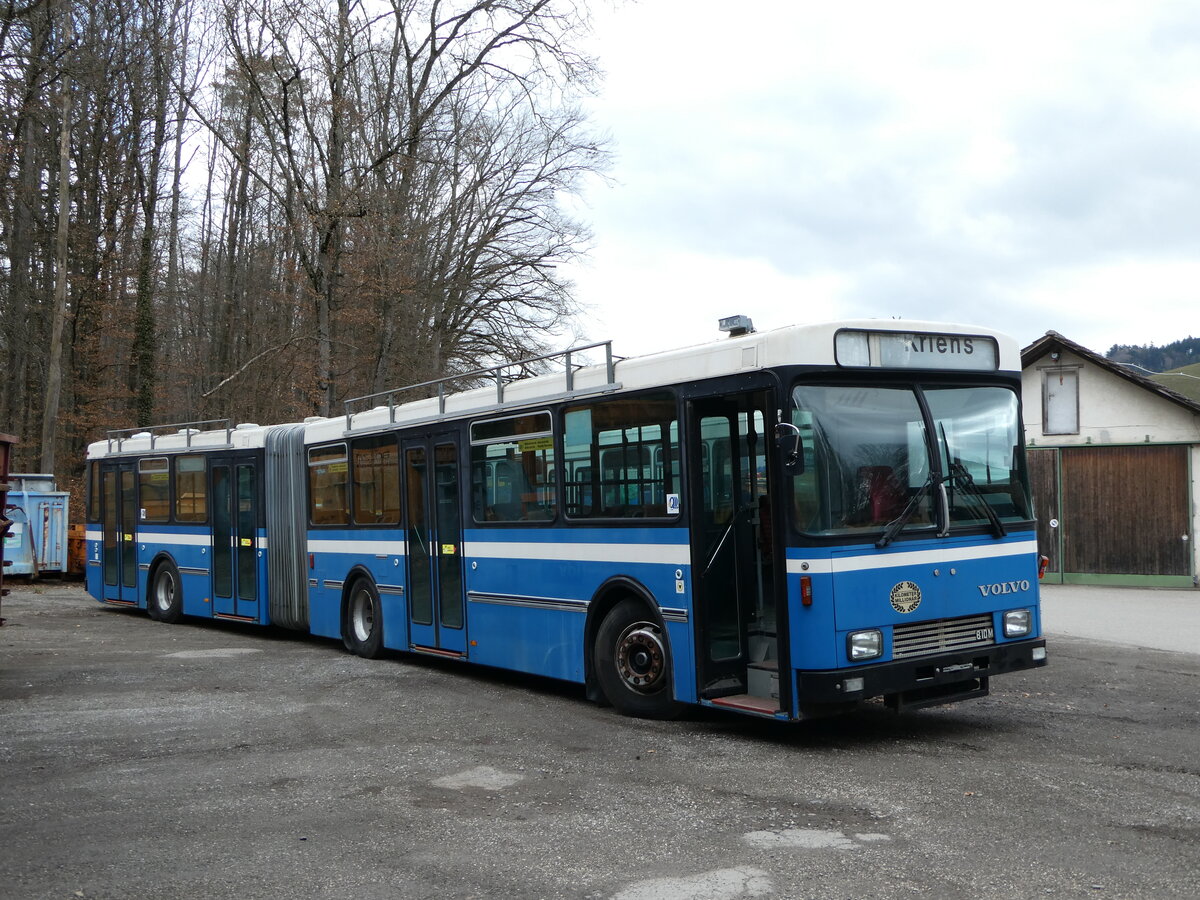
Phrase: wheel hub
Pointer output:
(165, 592)
(641, 657)
(363, 615)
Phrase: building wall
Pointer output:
(1115, 411)
(1111, 409)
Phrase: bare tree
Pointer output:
(375, 199)
(359, 112)
(30, 56)
(59, 311)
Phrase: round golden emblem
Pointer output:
(906, 597)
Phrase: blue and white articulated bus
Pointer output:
(784, 523)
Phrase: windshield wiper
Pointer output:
(894, 526)
(959, 475)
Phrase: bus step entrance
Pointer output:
(747, 703)
(437, 651)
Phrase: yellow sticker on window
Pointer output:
(542, 443)
(448, 549)
(246, 542)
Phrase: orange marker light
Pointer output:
(806, 590)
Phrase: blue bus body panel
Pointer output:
(93, 568)
(264, 583)
(190, 548)
(529, 593)
(336, 555)
(929, 580)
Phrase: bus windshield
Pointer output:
(868, 454)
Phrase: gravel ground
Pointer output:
(144, 760)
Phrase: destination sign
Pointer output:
(900, 350)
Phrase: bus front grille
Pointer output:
(927, 638)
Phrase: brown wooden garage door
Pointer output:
(1124, 510)
(1043, 478)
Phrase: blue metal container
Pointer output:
(37, 538)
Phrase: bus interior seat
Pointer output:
(881, 497)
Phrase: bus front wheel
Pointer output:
(633, 663)
(166, 594)
(363, 624)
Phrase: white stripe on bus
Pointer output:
(667, 554)
(185, 540)
(939, 556)
(361, 545)
(166, 537)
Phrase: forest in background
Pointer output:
(1174, 355)
(256, 209)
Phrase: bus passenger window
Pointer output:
(328, 497)
(154, 489)
(191, 489)
(622, 457)
(93, 492)
(512, 469)
(376, 470)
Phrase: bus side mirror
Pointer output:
(787, 439)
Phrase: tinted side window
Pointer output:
(621, 457)
(93, 491)
(191, 489)
(328, 482)
(512, 469)
(154, 489)
(375, 465)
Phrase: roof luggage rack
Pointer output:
(120, 435)
(498, 375)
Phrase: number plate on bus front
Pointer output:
(985, 634)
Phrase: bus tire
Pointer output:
(362, 627)
(166, 594)
(633, 663)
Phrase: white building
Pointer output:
(1115, 462)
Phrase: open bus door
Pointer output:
(733, 563)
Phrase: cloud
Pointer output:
(1029, 169)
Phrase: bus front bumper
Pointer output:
(924, 681)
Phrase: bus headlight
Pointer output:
(1017, 623)
(862, 645)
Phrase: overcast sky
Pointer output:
(1027, 166)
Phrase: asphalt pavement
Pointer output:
(142, 760)
(1154, 618)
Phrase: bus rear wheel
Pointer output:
(633, 664)
(166, 594)
(362, 627)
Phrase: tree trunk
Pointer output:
(143, 329)
(173, 295)
(329, 260)
(54, 366)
